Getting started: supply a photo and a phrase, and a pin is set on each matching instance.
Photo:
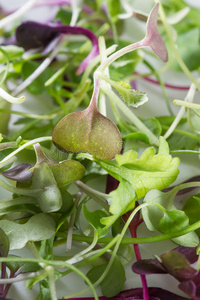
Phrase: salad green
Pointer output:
(86, 181)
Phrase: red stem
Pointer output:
(133, 230)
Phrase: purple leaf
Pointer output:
(188, 252)
(191, 287)
(137, 293)
(153, 38)
(19, 173)
(31, 35)
(148, 266)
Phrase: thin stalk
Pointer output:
(131, 116)
(30, 143)
(96, 195)
(120, 53)
(189, 98)
(71, 222)
(41, 68)
(82, 255)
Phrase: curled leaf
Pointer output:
(20, 173)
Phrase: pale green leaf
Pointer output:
(38, 228)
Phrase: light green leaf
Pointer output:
(153, 214)
(130, 96)
(11, 51)
(94, 219)
(38, 228)
(173, 221)
(190, 239)
(147, 172)
(122, 199)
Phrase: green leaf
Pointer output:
(147, 172)
(192, 210)
(189, 47)
(11, 51)
(190, 239)
(38, 228)
(4, 244)
(153, 214)
(125, 254)
(173, 221)
(113, 282)
(38, 85)
(122, 199)
(94, 219)
(67, 171)
(50, 198)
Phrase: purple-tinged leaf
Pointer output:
(188, 252)
(32, 35)
(191, 287)
(153, 38)
(137, 293)
(88, 131)
(148, 266)
(188, 287)
(19, 173)
(177, 266)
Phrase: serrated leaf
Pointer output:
(147, 172)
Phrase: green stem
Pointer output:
(96, 195)
(30, 143)
(52, 286)
(15, 190)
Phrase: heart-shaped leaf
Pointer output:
(88, 131)
(64, 172)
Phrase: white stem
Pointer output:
(188, 99)
(76, 6)
(30, 143)
(18, 13)
(10, 98)
(41, 68)
(186, 104)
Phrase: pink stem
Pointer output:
(133, 230)
(167, 85)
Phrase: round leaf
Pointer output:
(88, 131)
